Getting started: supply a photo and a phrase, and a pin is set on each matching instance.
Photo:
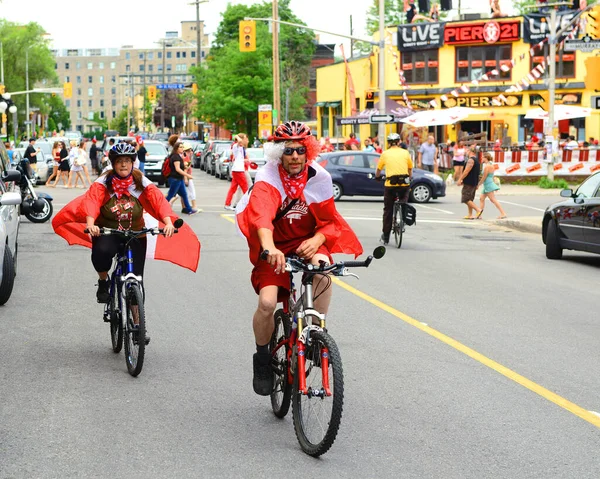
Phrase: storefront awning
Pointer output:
(333, 104)
(321, 103)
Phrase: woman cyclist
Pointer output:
(117, 200)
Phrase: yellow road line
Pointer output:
(490, 363)
(480, 358)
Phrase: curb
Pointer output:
(520, 226)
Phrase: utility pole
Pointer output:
(144, 94)
(551, 91)
(128, 108)
(199, 34)
(163, 92)
(381, 129)
(27, 94)
(276, 80)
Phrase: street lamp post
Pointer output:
(27, 94)
(198, 33)
(381, 128)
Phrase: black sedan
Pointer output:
(575, 222)
(352, 173)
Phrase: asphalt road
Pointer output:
(466, 354)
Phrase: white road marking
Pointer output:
(596, 413)
(449, 222)
(522, 206)
(432, 208)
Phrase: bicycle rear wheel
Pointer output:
(116, 327)
(398, 227)
(317, 416)
(282, 389)
(135, 334)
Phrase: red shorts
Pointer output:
(263, 275)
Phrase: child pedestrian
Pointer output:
(489, 186)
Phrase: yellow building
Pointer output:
(448, 62)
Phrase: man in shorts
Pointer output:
(470, 179)
(289, 210)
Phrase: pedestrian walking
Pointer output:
(94, 151)
(83, 161)
(470, 179)
(10, 151)
(176, 183)
(31, 155)
(427, 154)
(55, 163)
(141, 153)
(237, 169)
(458, 160)
(489, 186)
(64, 168)
(76, 160)
(189, 182)
(239, 193)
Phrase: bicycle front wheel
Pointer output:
(282, 389)
(317, 416)
(398, 225)
(116, 327)
(135, 329)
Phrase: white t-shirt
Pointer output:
(238, 158)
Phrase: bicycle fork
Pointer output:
(301, 354)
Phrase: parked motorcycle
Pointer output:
(37, 207)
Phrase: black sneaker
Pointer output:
(102, 294)
(384, 240)
(135, 336)
(263, 375)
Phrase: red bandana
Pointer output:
(121, 185)
(293, 185)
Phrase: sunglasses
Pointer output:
(301, 150)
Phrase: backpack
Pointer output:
(166, 167)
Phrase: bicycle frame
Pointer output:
(302, 313)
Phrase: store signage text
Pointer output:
(536, 26)
(559, 99)
(420, 35)
(483, 101)
(488, 32)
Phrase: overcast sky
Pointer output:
(114, 23)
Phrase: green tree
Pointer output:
(58, 115)
(235, 83)
(119, 123)
(16, 40)
(523, 7)
(394, 15)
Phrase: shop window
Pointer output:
(421, 67)
(565, 62)
(473, 62)
(324, 121)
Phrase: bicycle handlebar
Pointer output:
(296, 265)
(130, 233)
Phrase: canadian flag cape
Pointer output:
(259, 206)
(182, 249)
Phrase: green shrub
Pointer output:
(545, 183)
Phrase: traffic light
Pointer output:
(152, 93)
(247, 36)
(592, 73)
(67, 90)
(194, 88)
(2, 89)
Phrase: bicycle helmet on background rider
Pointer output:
(393, 138)
(122, 149)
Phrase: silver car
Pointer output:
(10, 198)
(257, 159)
(44, 164)
(157, 153)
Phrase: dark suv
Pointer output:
(575, 222)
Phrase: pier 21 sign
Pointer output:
(420, 36)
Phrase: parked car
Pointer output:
(575, 222)
(197, 148)
(257, 159)
(222, 162)
(44, 165)
(162, 137)
(10, 198)
(215, 149)
(352, 172)
(157, 153)
(74, 135)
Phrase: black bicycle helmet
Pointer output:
(121, 149)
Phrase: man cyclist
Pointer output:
(398, 168)
(289, 210)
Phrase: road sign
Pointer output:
(382, 118)
(265, 118)
(27, 122)
(173, 121)
(265, 107)
(197, 122)
(586, 44)
(170, 86)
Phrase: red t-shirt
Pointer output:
(297, 225)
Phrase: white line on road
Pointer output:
(435, 209)
(596, 413)
(522, 206)
(448, 222)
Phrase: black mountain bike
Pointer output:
(125, 308)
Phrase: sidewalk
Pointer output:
(528, 224)
(514, 190)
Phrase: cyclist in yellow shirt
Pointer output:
(398, 168)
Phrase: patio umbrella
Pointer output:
(447, 116)
(561, 112)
